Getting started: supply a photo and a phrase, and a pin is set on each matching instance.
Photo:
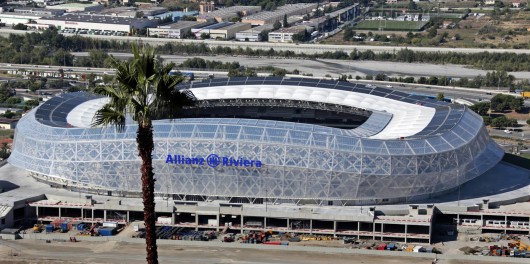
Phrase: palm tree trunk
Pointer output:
(144, 139)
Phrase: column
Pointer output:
(59, 212)
(334, 228)
(105, 215)
(218, 221)
(505, 223)
(288, 226)
(311, 226)
(92, 214)
(196, 222)
(373, 230)
(430, 232)
(382, 225)
(358, 230)
(37, 211)
(406, 230)
(241, 225)
(82, 212)
(173, 218)
(128, 217)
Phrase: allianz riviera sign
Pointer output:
(213, 161)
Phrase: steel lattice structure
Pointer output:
(409, 148)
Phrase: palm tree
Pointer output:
(143, 90)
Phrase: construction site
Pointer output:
(485, 226)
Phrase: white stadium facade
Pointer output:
(288, 140)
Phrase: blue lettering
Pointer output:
(224, 161)
(178, 160)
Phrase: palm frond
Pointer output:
(110, 116)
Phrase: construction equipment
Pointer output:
(37, 228)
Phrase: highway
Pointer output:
(296, 48)
(336, 68)
(473, 94)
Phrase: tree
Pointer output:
(277, 25)
(139, 14)
(145, 91)
(481, 108)
(440, 96)
(20, 26)
(348, 34)
(528, 121)
(32, 103)
(412, 5)
(285, 23)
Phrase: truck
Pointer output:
(525, 95)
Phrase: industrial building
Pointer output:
(78, 7)
(11, 18)
(198, 31)
(253, 34)
(95, 22)
(176, 30)
(300, 141)
(286, 34)
(131, 12)
(39, 11)
(228, 32)
(226, 14)
(270, 17)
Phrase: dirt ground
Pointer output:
(30, 251)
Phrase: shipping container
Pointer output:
(107, 231)
(50, 228)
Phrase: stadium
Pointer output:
(305, 141)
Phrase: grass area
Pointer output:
(522, 161)
(391, 25)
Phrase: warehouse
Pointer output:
(254, 34)
(228, 32)
(301, 141)
(226, 14)
(198, 31)
(39, 11)
(270, 17)
(101, 23)
(176, 30)
(78, 7)
(16, 18)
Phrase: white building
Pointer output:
(94, 22)
(15, 18)
(285, 34)
(175, 30)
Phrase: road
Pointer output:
(296, 48)
(335, 68)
